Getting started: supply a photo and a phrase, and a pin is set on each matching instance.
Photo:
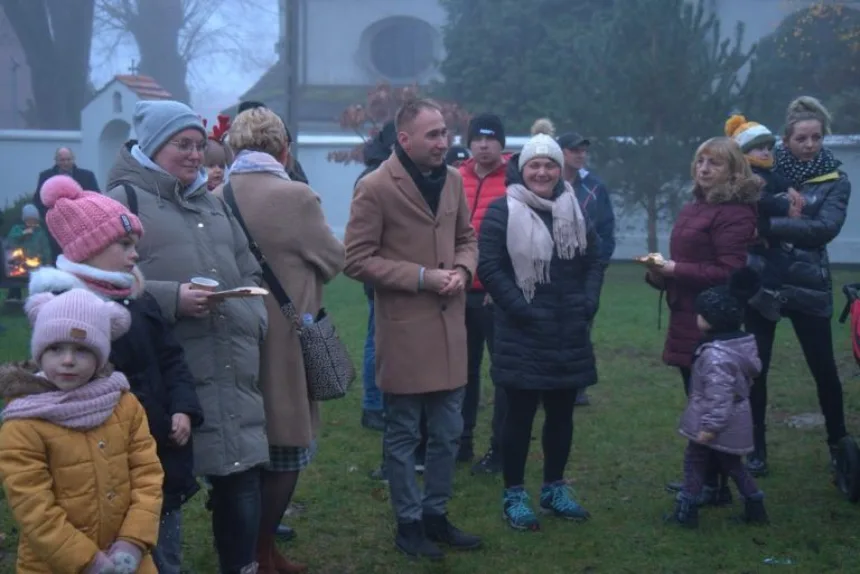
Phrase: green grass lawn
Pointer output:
(625, 449)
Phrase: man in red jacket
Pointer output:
(483, 183)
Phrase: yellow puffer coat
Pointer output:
(74, 493)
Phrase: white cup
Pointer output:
(204, 284)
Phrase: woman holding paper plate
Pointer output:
(285, 220)
(709, 241)
(190, 234)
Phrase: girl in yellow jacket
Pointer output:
(78, 464)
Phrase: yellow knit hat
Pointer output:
(748, 135)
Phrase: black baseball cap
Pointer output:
(572, 140)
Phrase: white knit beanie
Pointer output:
(542, 144)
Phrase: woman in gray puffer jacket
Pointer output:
(717, 421)
(806, 297)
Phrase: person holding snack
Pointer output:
(191, 232)
(709, 241)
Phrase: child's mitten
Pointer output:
(125, 557)
(101, 565)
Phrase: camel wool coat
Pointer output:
(391, 235)
(286, 220)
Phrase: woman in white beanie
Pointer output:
(539, 262)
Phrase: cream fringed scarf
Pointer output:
(530, 244)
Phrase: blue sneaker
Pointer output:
(557, 498)
(517, 510)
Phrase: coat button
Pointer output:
(235, 464)
(101, 444)
(200, 224)
(110, 495)
(444, 307)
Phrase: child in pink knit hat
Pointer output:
(78, 463)
(99, 236)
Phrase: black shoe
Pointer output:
(686, 512)
(412, 541)
(439, 529)
(373, 420)
(582, 399)
(845, 464)
(754, 512)
(379, 474)
(285, 533)
(466, 452)
(491, 463)
(674, 487)
(757, 465)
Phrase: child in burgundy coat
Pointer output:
(717, 421)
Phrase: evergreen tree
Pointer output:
(668, 82)
(521, 60)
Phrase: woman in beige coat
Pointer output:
(286, 220)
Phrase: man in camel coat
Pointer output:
(409, 236)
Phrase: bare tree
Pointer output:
(173, 35)
(55, 36)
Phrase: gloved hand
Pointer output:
(101, 565)
(125, 557)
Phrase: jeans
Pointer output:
(167, 553)
(236, 507)
(557, 433)
(372, 397)
(479, 331)
(816, 341)
(402, 437)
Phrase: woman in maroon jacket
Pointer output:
(709, 241)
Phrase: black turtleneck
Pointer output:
(429, 185)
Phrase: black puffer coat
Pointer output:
(154, 363)
(808, 285)
(544, 344)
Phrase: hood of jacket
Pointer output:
(20, 379)
(743, 350)
(128, 169)
(747, 191)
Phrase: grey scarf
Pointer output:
(530, 244)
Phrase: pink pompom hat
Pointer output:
(84, 223)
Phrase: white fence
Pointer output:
(24, 153)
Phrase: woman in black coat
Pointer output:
(806, 296)
(539, 262)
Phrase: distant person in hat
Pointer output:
(594, 199)
(484, 182)
(457, 155)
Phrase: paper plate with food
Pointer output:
(239, 292)
(652, 260)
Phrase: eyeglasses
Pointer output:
(186, 146)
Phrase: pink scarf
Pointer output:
(84, 408)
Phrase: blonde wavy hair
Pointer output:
(258, 129)
(727, 150)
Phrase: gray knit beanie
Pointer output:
(29, 211)
(156, 121)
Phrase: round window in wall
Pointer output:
(402, 47)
